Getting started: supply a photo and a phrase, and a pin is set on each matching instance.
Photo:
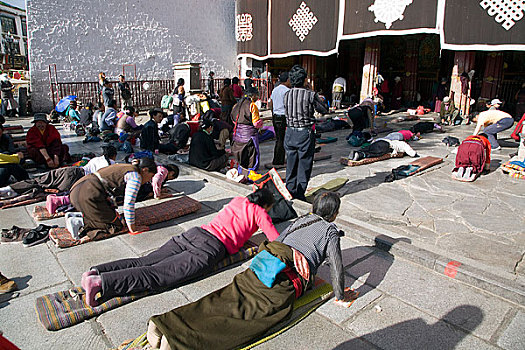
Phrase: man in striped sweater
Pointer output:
(299, 141)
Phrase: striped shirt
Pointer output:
(300, 105)
(317, 242)
(133, 180)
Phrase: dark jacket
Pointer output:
(203, 150)
(149, 136)
(6, 144)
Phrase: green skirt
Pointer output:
(235, 315)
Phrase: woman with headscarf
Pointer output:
(246, 121)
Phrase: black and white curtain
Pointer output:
(278, 28)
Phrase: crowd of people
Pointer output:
(256, 304)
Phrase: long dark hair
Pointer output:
(262, 197)
(326, 205)
(109, 152)
(148, 163)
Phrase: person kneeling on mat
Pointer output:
(192, 254)
(94, 196)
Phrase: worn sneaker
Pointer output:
(14, 235)
(7, 285)
(34, 237)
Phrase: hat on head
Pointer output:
(446, 99)
(398, 79)
(40, 117)
(495, 102)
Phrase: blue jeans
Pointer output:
(492, 130)
(300, 148)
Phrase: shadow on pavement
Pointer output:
(375, 264)
(21, 282)
(418, 334)
(363, 184)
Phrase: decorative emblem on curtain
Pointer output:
(506, 12)
(243, 27)
(389, 11)
(302, 21)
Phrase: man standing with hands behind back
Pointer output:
(276, 104)
(299, 141)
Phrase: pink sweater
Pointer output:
(238, 221)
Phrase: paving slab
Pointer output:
(17, 216)
(77, 260)
(34, 267)
(513, 338)
(131, 320)
(315, 332)
(401, 326)
(150, 240)
(20, 325)
(435, 294)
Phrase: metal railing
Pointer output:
(264, 86)
(142, 98)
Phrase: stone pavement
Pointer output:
(405, 301)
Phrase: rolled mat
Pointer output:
(302, 307)
(328, 139)
(321, 156)
(330, 186)
(68, 308)
(145, 216)
(40, 213)
(348, 162)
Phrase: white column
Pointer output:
(246, 64)
(18, 23)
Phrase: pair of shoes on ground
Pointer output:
(7, 285)
(465, 174)
(37, 235)
(13, 235)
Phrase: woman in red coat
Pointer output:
(44, 144)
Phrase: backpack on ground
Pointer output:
(166, 101)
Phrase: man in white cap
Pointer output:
(495, 104)
(448, 111)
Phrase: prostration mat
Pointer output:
(348, 162)
(68, 308)
(513, 169)
(321, 156)
(423, 163)
(41, 213)
(330, 186)
(145, 216)
(328, 139)
(303, 307)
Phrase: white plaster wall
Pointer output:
(84, 37)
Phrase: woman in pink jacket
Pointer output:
(192, 254)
